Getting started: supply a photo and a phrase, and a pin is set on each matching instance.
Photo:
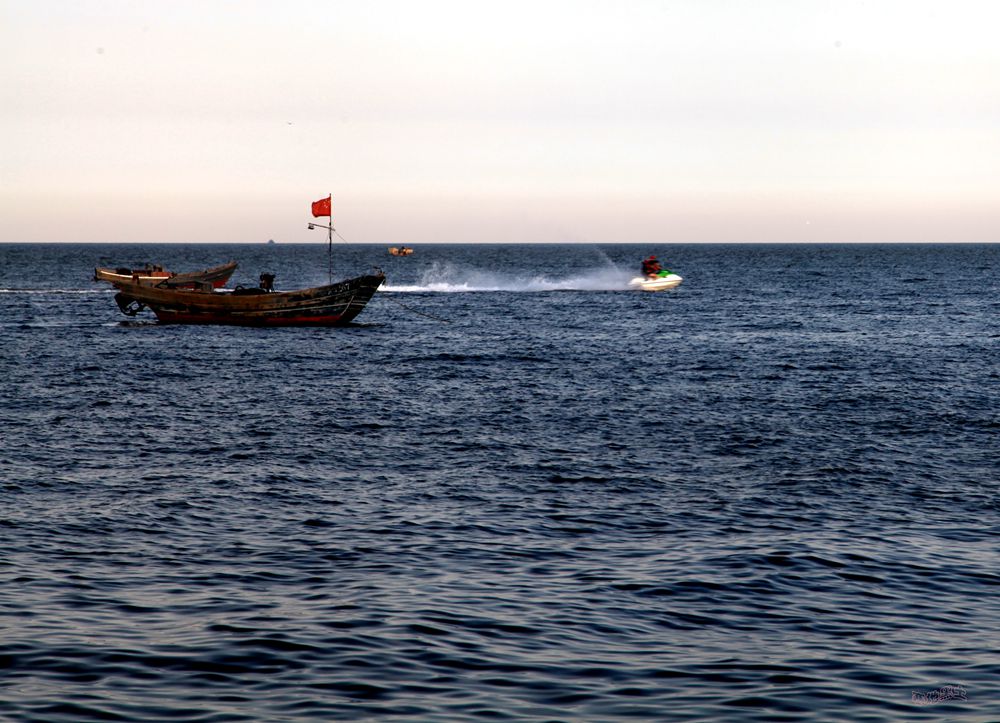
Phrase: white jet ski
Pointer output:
(656, 283)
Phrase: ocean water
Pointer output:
(513, 491)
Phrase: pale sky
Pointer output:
(507, 121)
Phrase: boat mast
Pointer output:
(329, 248)
(329, 228)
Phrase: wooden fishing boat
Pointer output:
(400, 250)
(151, 275)
(331, 305)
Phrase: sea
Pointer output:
(513, 490)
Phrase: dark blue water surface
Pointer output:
(515, 490)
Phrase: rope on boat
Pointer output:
(415, 311)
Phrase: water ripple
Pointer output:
(768, 501)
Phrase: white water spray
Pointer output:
(451, 278)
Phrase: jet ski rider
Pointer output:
(651, 267)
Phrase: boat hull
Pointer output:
(659, 283)
(216, 276)
(333, 305)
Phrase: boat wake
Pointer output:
(55, 291)
(449, 278)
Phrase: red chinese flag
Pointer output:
(322, 206)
